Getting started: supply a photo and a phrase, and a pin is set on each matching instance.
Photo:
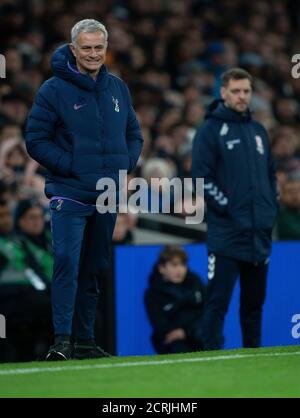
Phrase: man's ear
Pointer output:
(72, 47)
(223, 92)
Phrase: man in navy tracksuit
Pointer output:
(231, 152)
(82, 128)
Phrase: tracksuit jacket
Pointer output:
(231, 152)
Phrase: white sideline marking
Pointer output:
(142, 363)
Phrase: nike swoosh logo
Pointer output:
(78, 106)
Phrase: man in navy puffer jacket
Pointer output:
(231, 152)
(82, 128)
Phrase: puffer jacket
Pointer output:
(82, 129)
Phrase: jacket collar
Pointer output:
(217, 109)
(64, 66)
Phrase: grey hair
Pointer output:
(89, 26)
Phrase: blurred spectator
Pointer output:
(194, 113)
(288, 221)
(14, 107)
(10, 130)
(174, 302)
(215, 62)
(158, 197)
(24, 298)
(34, 236)
(19, 173)
(13, 158)
(285, 148)
(281, 176)
(286, 111)
(6, 192)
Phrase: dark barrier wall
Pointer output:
(134, 263)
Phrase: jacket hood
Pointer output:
(64, 66)
(218, 110)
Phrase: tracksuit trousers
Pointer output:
(81, 239)
(222, 276)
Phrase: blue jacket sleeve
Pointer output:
(40, 133)
(134, 137)
(204, 165)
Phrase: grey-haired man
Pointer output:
(82, 128)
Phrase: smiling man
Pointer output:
(82, 127)
(89, 49)
(232, 153)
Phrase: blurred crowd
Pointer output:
(171, 53)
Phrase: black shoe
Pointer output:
(89, 351)
(61, 350)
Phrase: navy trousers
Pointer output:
(81, 245)
(222, 274)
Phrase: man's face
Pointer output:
(237, 94)
(174, 270)
(6, 219)
(89, 51)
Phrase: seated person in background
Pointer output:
(174, 303)
(34, 236)
(24, 298)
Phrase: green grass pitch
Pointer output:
(264, 372)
